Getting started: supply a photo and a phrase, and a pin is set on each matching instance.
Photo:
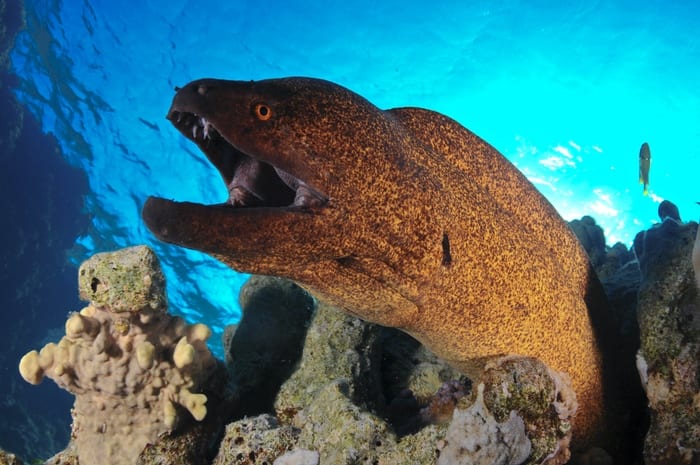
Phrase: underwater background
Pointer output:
(567, 92)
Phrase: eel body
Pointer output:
(401, 217)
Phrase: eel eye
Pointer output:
(262, 111)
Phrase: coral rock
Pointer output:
(353, 378)
(343, 433)
(337, 347)
(591, 237)
(669, 210)
(475, 437)
(133, 368)
(669, 356)
(256, 440)
(299, 457)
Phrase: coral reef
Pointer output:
(542, 398)
(313, 385)
(136, 371)
(342, 402)
(668, 209)
(669, 356)
(591, 237)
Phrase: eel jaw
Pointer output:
(250, 182)
(264, 203)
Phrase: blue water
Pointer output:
(568, 93)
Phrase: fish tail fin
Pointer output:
(646, 190)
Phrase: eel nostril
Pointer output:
(202, 89)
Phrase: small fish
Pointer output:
(644, 165)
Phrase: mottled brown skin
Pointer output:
(427, 228)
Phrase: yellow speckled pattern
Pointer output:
(427, 228)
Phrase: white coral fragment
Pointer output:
(195, 403)
(144, 355)
(474, 436)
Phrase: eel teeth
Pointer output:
(207, 127)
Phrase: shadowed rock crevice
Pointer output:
(265, 348)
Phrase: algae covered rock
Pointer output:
(129, 280)
(669, 356)
(337, 347)
(255, 440)
(299, 457)
(541, 397)
(136, 371)
(342, 432)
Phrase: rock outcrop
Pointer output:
(669, 356)
(366, 394)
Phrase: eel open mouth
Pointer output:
(250, 182)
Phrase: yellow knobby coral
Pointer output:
(30, 369)
(195, 403)
(144, 355)
(183, 354)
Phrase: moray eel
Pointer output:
(401, 217)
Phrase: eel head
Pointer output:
(318, 179)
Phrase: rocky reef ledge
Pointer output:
(305, 384)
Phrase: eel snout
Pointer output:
(250, 182)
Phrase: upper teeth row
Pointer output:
(205, 125)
